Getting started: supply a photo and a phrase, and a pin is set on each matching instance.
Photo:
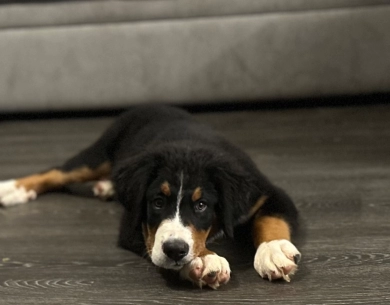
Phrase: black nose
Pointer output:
(175, 249)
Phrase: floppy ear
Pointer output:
(239, 189)
(131, 179)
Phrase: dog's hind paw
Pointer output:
(104, 189)
(210, 270)
(277, 259)
(11, 194)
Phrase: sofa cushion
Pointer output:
(49, 13)
(242, 57)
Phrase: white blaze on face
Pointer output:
(171, 229)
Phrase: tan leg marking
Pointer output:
(267, 228)
(256, 207)
(55, 179)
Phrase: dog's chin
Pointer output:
(175, 266)
(167, 263)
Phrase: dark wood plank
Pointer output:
(335, 162)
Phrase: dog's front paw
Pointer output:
(12, 194)
(210, 270)
(277, 259)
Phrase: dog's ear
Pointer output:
(131, 179)
(239, 189)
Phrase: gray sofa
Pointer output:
(66, 55)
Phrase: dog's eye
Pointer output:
(200, 206)
(158, 203)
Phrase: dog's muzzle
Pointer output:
(175, 249)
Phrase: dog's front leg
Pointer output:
(276, 257)
(207, 269)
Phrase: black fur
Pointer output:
(152, 144)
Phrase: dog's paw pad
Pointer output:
(104, 189)
(11, 194)
(277, 259)
(210, 270)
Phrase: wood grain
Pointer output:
(335, 162)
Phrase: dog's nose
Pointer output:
(175, 249)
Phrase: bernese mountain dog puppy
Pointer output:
(181, 184)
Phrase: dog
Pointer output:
(181, 184)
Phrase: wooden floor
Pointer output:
(335, 163)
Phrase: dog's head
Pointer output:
(180, 197)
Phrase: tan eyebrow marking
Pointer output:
(197, 194)
(267, 228)
(165, 189)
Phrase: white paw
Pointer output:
(211, 270)
(10, 194)
(104, 189)
(277, 259)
